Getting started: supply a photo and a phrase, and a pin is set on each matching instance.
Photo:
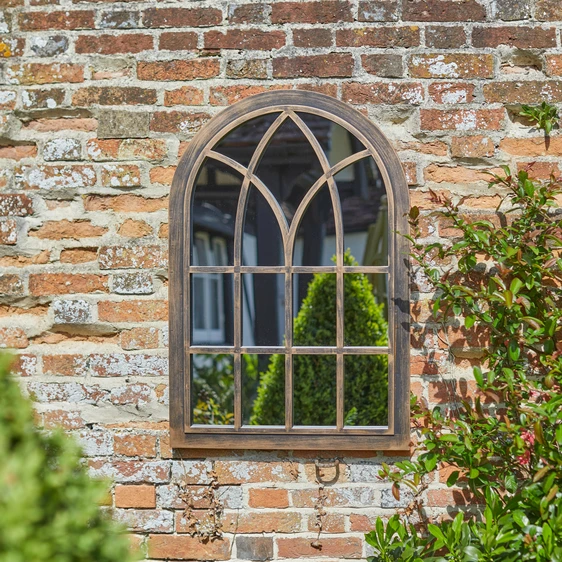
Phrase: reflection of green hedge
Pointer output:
(49, 507)
(366, 377)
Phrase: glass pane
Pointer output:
(315, 243)
(366, 310)
(214, 207)
(213, 389)
(263, 389)
(212, 308)
(364, 212)
(241, 143)
(263, 242)
(315, 321)
(314, 397)
(289, 167)
(338, 143)
(263, 301)
(366, 390)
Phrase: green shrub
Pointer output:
(505, 445)
(49, 507)
(314, 376)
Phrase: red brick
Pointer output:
(451, 65)
(141, 496)
(246, 13)
(263, 522)
(449, 497)
(133, 311)
(532, 146)
(316, 37)
(66, 123)
(139, 338)
(326, 11)
(184, 547)
(8, 232)
(196, 69)
(331, 523)
(349, 547)
(326, 89)
(127, 203)
(472, 147)
(450, 93)
(78, 255)
(134, 229)
(445, 37)
(181, 17)
(126, 149)
(268, 498)
(162, 174)
(66, 283)
(383, 93)
(54, 19)
(135, 445)
(113, 44)
(548, 10)
(14, 204)
(58, 230)
(381, 37)
(178, 121)
(442, 10)
(43, 73)
(541, 170)
(120, 175)
(462, 119)
(252, 39)
(227, 95)
(446, 173)
(187, 95)
(334, 65)
(114, 96)
(522, 37)
(523, 91)
(178, 41)
(13, 338)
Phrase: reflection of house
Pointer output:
(289, 167)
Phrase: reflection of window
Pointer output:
(208, 290)
(288, 283)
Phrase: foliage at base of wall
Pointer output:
(504, 448)
(49, 507)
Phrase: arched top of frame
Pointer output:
(288, 106)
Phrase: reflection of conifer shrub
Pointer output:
(314, 376)
(49, 507)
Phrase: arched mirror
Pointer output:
(288, 281)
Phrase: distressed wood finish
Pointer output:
(185, 435)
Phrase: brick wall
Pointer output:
(99, 100)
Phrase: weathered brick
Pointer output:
(511, 10)
(227, 95)
(349, 547)
(326, 11)
(442, 10)
(451, 92)
(55, 19)
(8, 99)
(178, 41)
(58, 230)
(62, 149)
(181, 17)
(378, 10)
(12, 47)
(196, 69)
(134, 229)
(48, 46)
(457, 65)
(63, 418)
(139, 338)
(230, 472)
(15, 204)
(548, 10)
(119, 20)
(143, 521)
(13, 337)
(462, 119)
(42, 73)
(310, 38)
(127, 203)
(135, 445)
(184, 547)
(123, 124)
(253, 39)
(334, 65)
(186, 95)
(113, 44)
(254, 548)
(523, 91)
(127, 149)
(477, 146)
(72, 312)
(115, 175)
(247, 13)
(385, 65)
(522, 37)
(382, 37)
(178, 121)
(141, 497)
(242, 68)
(131, 470)
(133, 311)
(383, 93)
(138, 283)
(114, 96)
(56, 177)
(8, 232)
(66, 283)
(445, 37)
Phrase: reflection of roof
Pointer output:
(207, 217)
(251, 132)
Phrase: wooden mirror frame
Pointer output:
(396, 435)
